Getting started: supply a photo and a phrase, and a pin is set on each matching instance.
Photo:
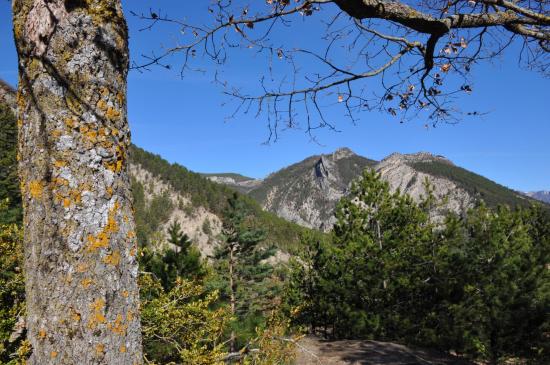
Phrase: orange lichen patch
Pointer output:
(102, 105)
(122, 348)
(102, 239)
(112, 259)
(105, 91)
(120, 98)
(118, 326)
(82, 268)
(99, 349)
(125, 293)
(97, 316)
(36, 189)
(133, 252)
(76, 316)
(112, 113)
(130, 316)
(131, 234)
(59, 181)
(60, 164)
(42, 334)
(76, 196)
(70, 123)
(116, 166)
(53, 354)
(114, 132)
(66, 202)
(20, 100)
(91, 135)
(86, 282)
(84, 128)
(19, 122)
(109, 191)
(56, 133)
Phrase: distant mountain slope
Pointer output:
(203, 198)
(543, 195)
(307, 192)
(238, 182)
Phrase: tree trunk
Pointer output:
(232, 298)
(80, 245)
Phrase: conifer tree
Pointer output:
(240, 260)
(180, 260)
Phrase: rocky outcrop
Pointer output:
(397, 169)
(191, 220)
(237, 182)
(543, 195)
(307, 192)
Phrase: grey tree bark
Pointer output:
(80, 246)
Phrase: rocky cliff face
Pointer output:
(397, 169)
(191, 217)
(306, 193)
(543, 196)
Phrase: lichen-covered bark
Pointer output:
(80, 246)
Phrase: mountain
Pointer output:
(199, 203)
(307, 192)
(543, 195)
(238, 182)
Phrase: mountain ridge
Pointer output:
(541, 195)
(307, 192)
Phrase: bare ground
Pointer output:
(315, 351)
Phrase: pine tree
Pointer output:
(180, 260)
(240, 261)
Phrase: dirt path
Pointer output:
(314, 351)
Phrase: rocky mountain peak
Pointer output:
(342, 152)
(543, 195)
(399, 158)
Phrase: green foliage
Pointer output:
(243, 273)
(9, 183)
(499, 298)
(12, 292)
(478, 285)
(180, 260)
(149, 215)
(179, 325)
(206, 227)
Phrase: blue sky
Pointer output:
(184, 121)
